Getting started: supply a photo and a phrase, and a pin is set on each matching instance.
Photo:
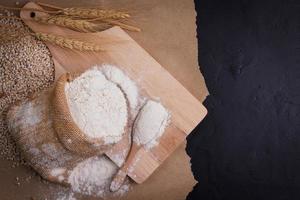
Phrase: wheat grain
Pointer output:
(9, 32)
(9, 17)
(68, 42)
(25, 67)
(28, 9)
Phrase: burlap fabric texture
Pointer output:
(42, 127)
(30, 123)
(67, 130)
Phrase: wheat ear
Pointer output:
(66, 21)
(89, 13)
(68, 42)
(77, 25)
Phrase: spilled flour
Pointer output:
(150, 124)
(96, 95)
(97, 105)
(102, 101)
(66, 196)
(93, 176)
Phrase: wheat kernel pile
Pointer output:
(25, 67)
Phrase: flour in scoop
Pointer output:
(150, 124)
(97, 105)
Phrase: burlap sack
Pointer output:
(30, 124)
(68, 132)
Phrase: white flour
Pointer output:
(98, 102)
(115, 75)
(120, 157)
(150, 124)
(97, 105)
(28, 109)
(92, 176)
(67, 195)
(57, 171)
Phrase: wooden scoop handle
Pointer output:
(119, 178)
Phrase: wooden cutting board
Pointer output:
(150, 76)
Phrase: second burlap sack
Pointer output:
(30, 123)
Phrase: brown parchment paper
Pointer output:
(169, 35)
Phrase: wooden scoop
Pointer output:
(144, 115)
(122, 173)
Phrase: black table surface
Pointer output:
(248, 146)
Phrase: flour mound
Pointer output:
(117, 76)
(97, 105)
(93, 176)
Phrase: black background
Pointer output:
(248, 146)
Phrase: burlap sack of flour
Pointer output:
(31, 126)
(68, 132)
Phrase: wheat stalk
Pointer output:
(68, 42)
(88, 13)
(9, 32)
(66, 21)
(78, 12)
(77, 25)
(84, 25)
(81, 19)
